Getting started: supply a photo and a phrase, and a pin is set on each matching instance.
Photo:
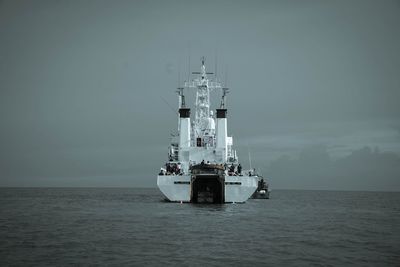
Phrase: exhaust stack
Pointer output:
(184, 129)
(222, 132)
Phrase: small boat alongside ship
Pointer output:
(262, 191)
(203, 166)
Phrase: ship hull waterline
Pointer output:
(207, 188)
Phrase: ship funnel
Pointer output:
(184, 130)
(222, 132)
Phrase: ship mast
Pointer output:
(202, 102)
(203, 88)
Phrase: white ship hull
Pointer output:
(178, 188)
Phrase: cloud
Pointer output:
(314, 168)
(340, 138)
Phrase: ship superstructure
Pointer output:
(202, 164)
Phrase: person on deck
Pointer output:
(232, 168)
(239, 169)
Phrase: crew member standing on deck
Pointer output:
(239, 169)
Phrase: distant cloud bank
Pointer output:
(363, 169)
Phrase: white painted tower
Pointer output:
(222, 133)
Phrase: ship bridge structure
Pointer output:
(205, 137)
(202, 164)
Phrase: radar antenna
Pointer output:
(225, 91)
(203, 69)
(181, 97)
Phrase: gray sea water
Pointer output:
(135, 227)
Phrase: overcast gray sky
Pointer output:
(315, 88)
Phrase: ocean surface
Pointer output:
(135, 227)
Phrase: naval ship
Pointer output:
(202, 165)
